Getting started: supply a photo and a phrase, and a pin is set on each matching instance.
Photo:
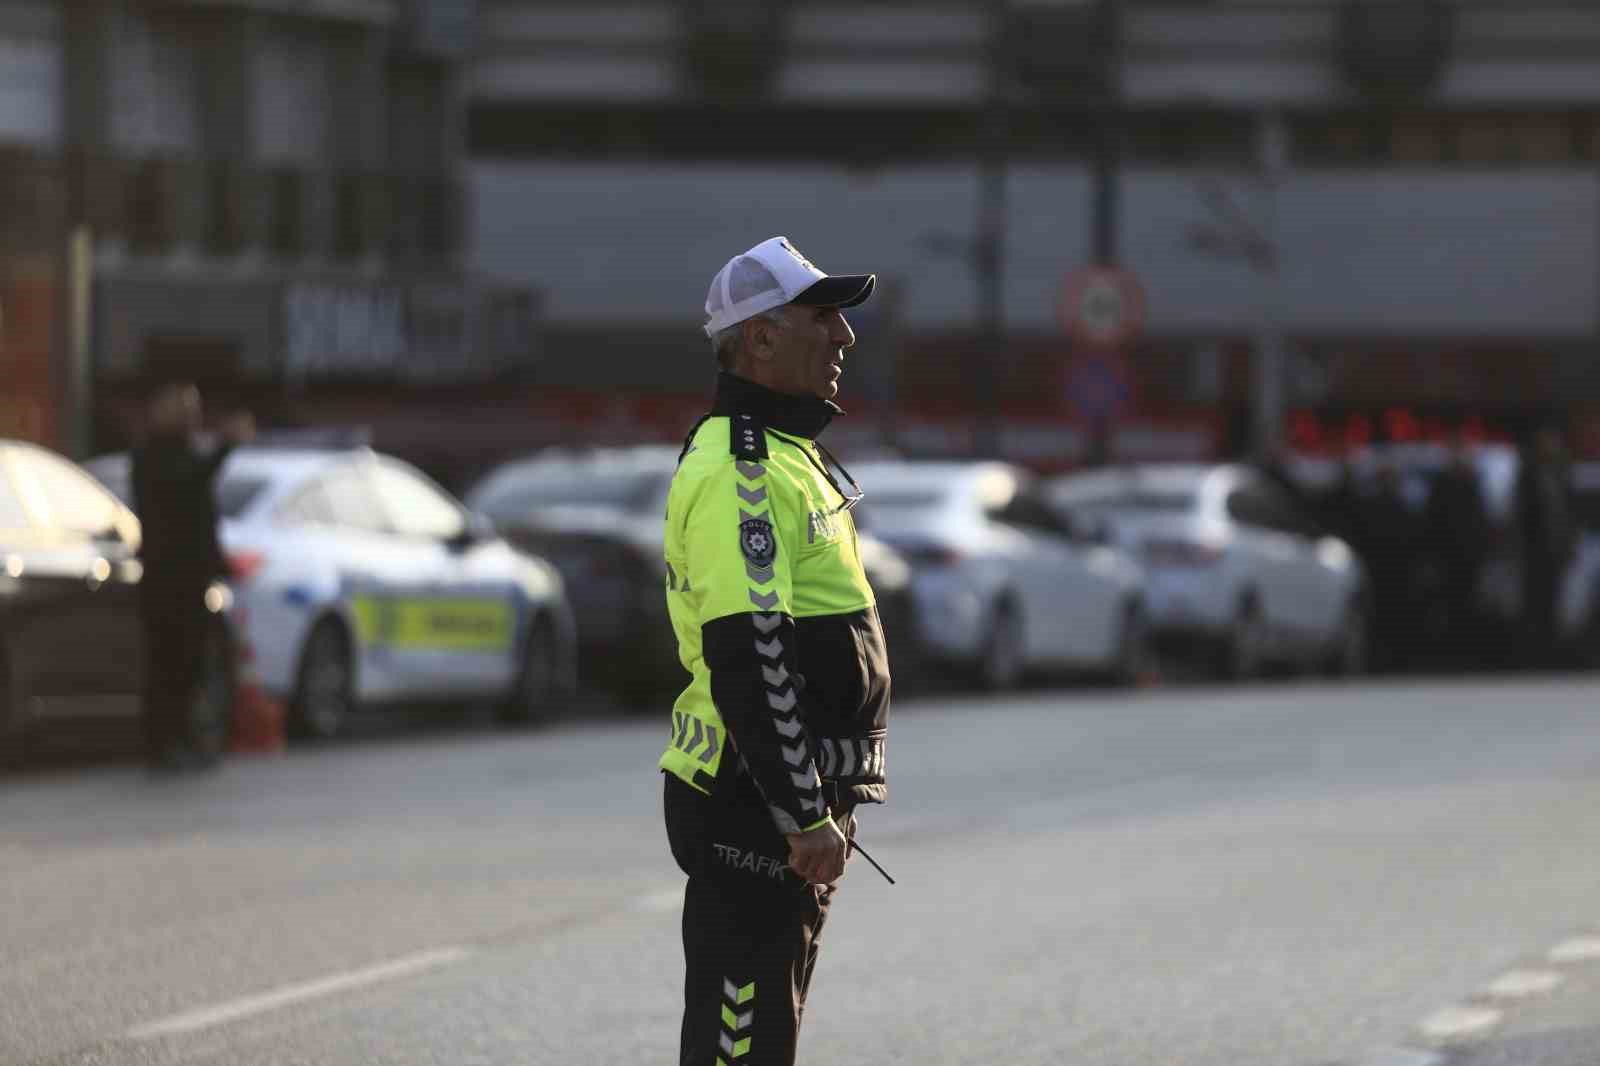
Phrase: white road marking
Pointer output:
(247, 1006)
(1519, 983)
(1578, 949)
(1459, 1023)
(1402, 1056)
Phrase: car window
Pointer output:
(13, 515)
(310, 506)
(522, 496)
(351, 498)
(1027, 511)
(415, 506)
(235, 494)
(1137, 501)
(1264, 506)
(70, 498)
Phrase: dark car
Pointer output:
(597, 514)
(71, 648)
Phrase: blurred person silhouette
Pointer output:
(1387, 541)
(172, 490)
(1340, 504)
(1457, 535)
(1547, 526)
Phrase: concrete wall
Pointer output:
(1392, 253)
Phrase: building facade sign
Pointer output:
(433, 330)
(338, 330)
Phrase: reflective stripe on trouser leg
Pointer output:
(738, 1018)
(761, 945)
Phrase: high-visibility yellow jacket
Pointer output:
(775, 620)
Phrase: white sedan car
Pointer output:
(1233, 561)
(360, 581)
(1000, 585)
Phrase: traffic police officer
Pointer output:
(779, 735)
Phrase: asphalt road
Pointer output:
(1296, 875)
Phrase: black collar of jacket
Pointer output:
(798, 416)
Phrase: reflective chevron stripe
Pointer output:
(735, 1038)
(755, 512)
(693, 737)
(851, 757)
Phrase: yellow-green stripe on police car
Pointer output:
(476, 624)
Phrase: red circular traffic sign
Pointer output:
(1102, 307)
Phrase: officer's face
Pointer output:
(807, 351)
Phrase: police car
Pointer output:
(360, 581)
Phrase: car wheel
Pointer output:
(1000, 666)
(210, 722)
(538, 677)
(1244, 649)
(1133, 647)
(1352, 646)
(325, 692)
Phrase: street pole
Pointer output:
(1107, 195)
(989, 252)
(80, 355)
(1108, 139)
(1272, 157)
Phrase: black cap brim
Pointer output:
(840, 290)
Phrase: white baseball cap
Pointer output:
(772, 274)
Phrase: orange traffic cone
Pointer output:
(258, 719)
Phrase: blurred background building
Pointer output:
(500, 217)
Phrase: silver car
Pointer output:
(1002, 586)
(1234, 565)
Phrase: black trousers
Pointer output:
(751, 929)
(175, 622)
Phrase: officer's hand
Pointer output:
(818, 854)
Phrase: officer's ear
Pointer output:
(761, 338)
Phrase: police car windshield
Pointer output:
(235, 494)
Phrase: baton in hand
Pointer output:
(873, 861)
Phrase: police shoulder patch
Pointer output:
(757, 542)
